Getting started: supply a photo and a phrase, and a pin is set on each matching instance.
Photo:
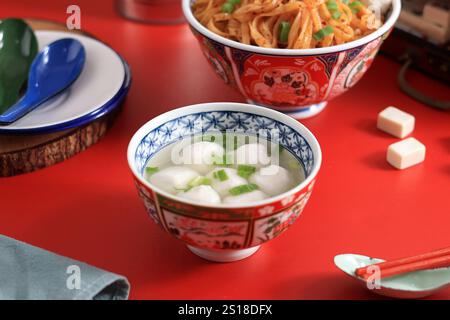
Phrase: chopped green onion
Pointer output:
(224, 141)
(245, 188)
(209, 138)
(227, 7)
(336, 15)
(198, 181)
(236, 143)
(151, 170)
(345, 1)
(285, 27)
(332, 5)
(221, 175)
(334, 9)
(322, 33)
(355, 6)
(227, 140)
(245, 171)
(224, 160)
(234, 2)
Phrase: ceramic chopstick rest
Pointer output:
(406, 153)
(396, 122)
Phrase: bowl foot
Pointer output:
(223, 255)
(302, 112)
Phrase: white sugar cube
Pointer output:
(406, 153)
(396, 122)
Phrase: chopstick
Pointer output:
(431, 260)
(432, 263)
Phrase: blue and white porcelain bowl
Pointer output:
(224, 232)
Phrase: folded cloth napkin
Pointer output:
(28, 272)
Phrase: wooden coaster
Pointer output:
(28, 152)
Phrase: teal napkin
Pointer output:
(28, 272)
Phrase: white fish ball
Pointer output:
(173, 179)
(273, 180)
(252, 154)
(245, 198)
(202, 193)
(200, 155)
(233, 180)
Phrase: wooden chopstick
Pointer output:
(398, 262)
(430, 263)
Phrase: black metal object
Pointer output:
(415, 52)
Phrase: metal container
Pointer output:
(151, 11)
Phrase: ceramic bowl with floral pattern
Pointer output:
(224, 232)
(298, 82)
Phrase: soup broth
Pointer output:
(217, 168)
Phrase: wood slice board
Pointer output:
(29, 152)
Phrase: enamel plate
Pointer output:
(99, 89)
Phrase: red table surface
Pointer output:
(87, 207)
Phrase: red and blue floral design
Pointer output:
(289, 83)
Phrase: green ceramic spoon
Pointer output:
(18, 47)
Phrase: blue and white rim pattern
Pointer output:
(108, 107)
(215, 121)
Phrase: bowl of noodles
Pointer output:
(291, 55)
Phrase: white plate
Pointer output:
(102, 78)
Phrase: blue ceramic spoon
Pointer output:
(54, 69)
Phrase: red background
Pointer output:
(87, 207)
